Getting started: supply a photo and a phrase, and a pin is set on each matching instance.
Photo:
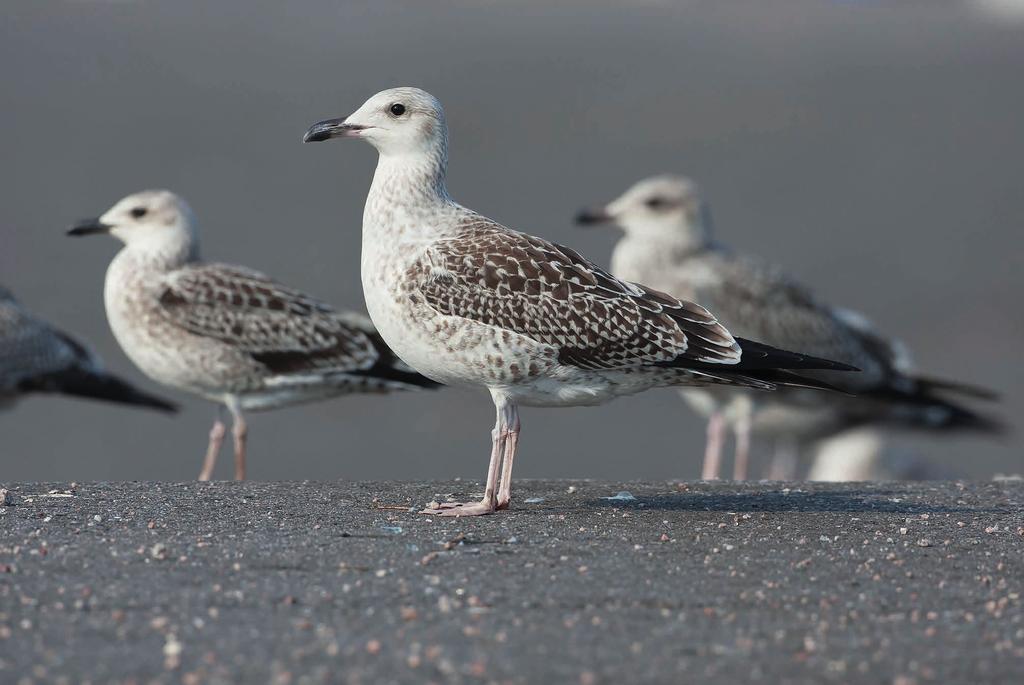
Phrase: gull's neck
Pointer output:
(159, 253)
(650, 253)
(408, 200)
(412, 179)
(670, 240)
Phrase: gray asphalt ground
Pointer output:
(675, 582)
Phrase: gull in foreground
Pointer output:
(35, 357)
(227, 333)
(468, 302)
(668, 243)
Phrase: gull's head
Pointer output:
(660, 206)
(152, 217)
(397, 121)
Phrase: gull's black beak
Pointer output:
(330, 128)
(593, 215)
(89, 227)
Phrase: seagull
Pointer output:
(468, 302)
(35, 357)
(668, 242)
(228, 333)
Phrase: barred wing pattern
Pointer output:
(760, 302)
(283, 329)
(547, 292)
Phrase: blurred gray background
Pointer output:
(876, 149)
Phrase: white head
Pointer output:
(397, 121)
(660, 207)
(154, 220)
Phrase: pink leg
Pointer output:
(713, 448)
(213, 449)
(741, 462)
(240, 432)
(488, 504)
(511, 444)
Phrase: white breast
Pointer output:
(159, 350)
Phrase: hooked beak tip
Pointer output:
(331, 128)
(312, 136)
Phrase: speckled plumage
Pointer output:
(668, 243)
(758, 301)
(229, 333)
(499, 308)
(36, 357)
(216, 329)
(467, 301)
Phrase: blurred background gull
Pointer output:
(875, 149)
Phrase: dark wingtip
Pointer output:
(783, 377)
(759, 355)
(942, 385)
(98, 386)
(390, 374)
(113, 389)
(935, 411)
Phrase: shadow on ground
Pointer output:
(854, 501)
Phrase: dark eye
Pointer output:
(397, 109)
(139, 212)
(657, 203)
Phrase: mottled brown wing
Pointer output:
(282, 328)
(762, 303)
(553, 295)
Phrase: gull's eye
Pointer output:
(397, 109)
(139, 212)
(657, 203)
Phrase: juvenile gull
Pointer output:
(466, 301)
(228, 333)
(668, 243)
(35, 357)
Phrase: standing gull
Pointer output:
(668, 243)
(466, 301)
(227, 333)
(37, 358)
